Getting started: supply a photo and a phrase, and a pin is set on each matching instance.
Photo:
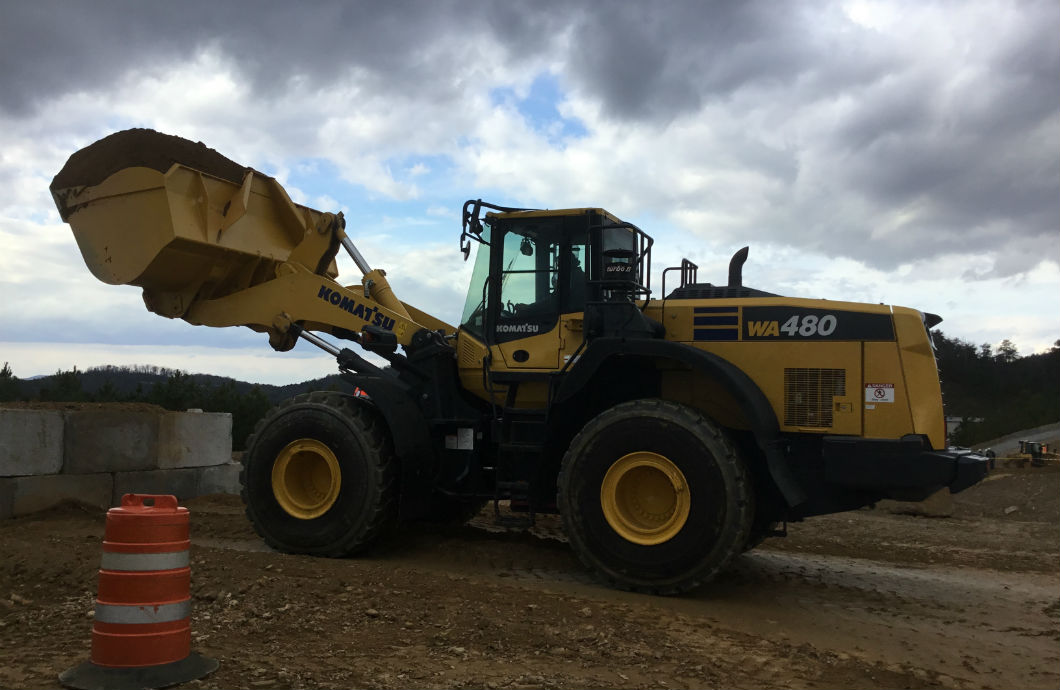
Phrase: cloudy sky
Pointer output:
(897, 152)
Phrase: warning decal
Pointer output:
(879, 392)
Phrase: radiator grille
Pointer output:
(808, 395)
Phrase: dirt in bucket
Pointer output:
(146, 148)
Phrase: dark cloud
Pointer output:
(50, 47)
(971, 153)
(657, 62)
(962, 141)
(965, 133)
(913, 153)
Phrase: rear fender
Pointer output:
(753, 403)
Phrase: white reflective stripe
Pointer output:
(141, 613)
(144, 561)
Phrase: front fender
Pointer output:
(410, 434)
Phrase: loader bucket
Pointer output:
(178, 219)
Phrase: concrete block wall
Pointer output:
(94, 456)
(194, 440)
(31, 442)
(109, 441)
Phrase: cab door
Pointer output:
(538, 264)
(525, 305)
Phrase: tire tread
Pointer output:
(376, 438)
(691, 419)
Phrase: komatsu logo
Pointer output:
(370, 315)
(518, 328)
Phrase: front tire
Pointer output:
(654, 497)
(320, 477)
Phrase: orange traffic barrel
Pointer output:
(141, 637)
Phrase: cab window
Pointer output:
(529, 290)
(474, 317)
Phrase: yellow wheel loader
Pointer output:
(671, 430)
(1034, 452)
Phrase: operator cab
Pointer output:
(535, 266)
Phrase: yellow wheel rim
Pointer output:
(306, 478)
(645, 498)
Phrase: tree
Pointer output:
(9, 384)
(107, 393)
(250, 407)
(1005, 392)
(1007, 352)
(178, 392)
(67, 387)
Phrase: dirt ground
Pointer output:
(867, 599)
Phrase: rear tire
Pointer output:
(320, 476)
(654, 497)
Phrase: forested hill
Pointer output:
(1006, 391)
(168, 388)
(120, 383)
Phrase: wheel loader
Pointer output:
(671, 430)
(1033, 452)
